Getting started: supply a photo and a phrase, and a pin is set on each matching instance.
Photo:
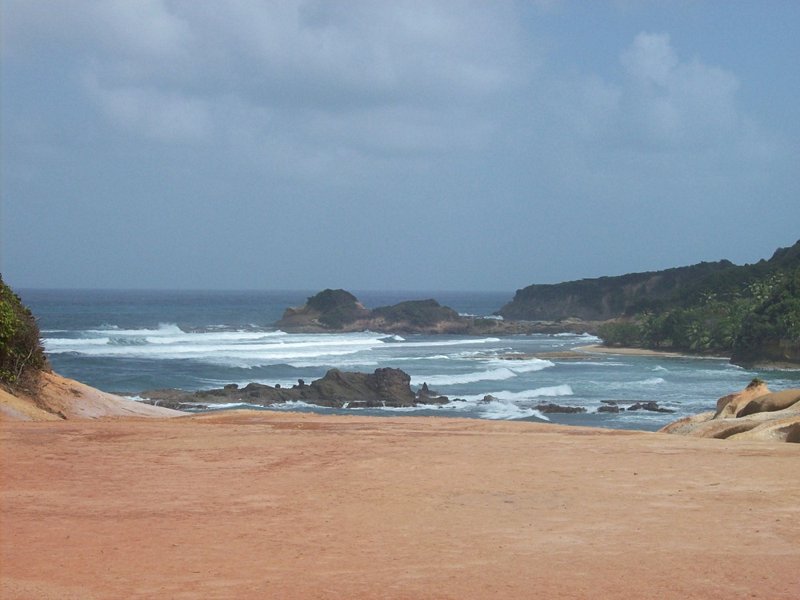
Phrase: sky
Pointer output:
(404, 145)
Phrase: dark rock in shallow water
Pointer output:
(608, 408)
(428, 396)
(557, 408)
(651, 406)
(337, 389)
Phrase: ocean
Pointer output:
(130, 341)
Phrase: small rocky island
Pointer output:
(340, 311)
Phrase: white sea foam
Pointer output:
(640, 383)
(549, 391)
(582, 363)
(230, 405)
(72, 345)
(401, 409)
(461, 378)
(584, 337)
(529, 365)
(324, 361)
(396, 359)
(163, 329)
(498, 370)
(727, 373)
(507, 411)
(733, 366)
(393, 338)
(632, 384)
(244, 349)
(466, 342)
(297, 405)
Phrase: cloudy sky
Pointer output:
(393, 145)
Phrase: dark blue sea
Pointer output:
(130, 341)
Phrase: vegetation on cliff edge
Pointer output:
(21, 352)
(756, 318)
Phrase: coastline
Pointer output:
(627, 351)
(304, 505)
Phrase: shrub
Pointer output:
(21, 352)
(620, 333)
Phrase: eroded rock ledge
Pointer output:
(755, 413)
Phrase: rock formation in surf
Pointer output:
(386, 387)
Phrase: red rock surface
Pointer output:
(266, 505)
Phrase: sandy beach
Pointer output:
(624, 351)
(260, 504)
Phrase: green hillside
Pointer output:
(751, 312)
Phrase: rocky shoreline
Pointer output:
(753, 413)
(384, 388)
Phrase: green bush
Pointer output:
(621, 333)
(21, 353)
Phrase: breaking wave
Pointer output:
(499, 370)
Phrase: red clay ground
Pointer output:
(258, 505)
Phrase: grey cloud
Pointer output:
(674, 102)
(156, 114)
(422, 129)
(360, 78)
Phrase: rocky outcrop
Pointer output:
(340, 311)
(550, 408)
(58, 398)
(755, 413)
(329, 309)
(337, 389)
(649, 406)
